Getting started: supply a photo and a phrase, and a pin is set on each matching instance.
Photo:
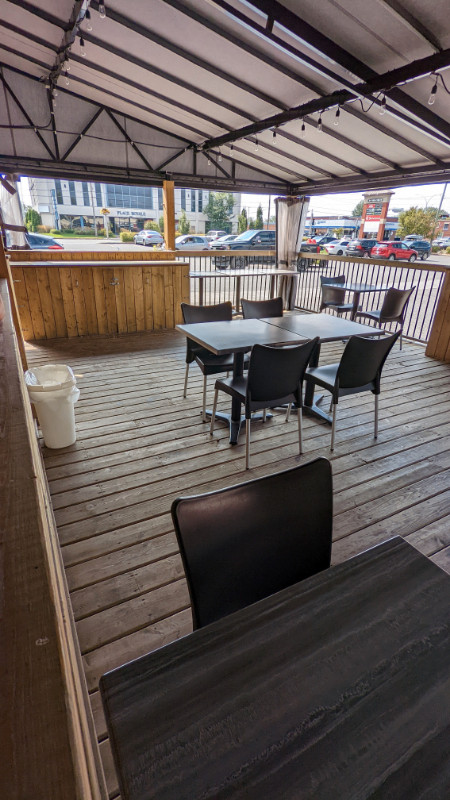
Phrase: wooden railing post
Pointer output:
(439, 342)
(169, 214)
(5, 272)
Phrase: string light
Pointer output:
(383, 105)
(433, 92)
(256, 144)
(82, 50)
(87, 17)
(319, 124)
(66, 79)
(102, 10)
(303, 130)
(338, 114)
(274, 133)
(231, 147)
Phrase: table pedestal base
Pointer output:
(316, 411)
(236, 424)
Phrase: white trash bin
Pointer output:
(53, 390)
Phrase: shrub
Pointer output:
(126, 236)
(55, 232)
(151, 226)
(43, 228)
(447, 250)
(435, 248)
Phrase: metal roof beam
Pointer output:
(25, 113)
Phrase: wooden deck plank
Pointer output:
(139, 445)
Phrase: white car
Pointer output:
(338, 248)
(191, 241)
(148, 238)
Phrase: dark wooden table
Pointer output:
(330, 329)
(357, 289)
(237, 336)
(334, 689)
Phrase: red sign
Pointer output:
(373, 217)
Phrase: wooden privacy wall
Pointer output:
(85, 299)
(439, 342)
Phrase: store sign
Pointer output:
(120, 212)
(371, 217)
(371, 226)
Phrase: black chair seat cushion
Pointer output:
(325, 376)
(375, 314)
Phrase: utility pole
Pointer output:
(437, 213)
(93, 208)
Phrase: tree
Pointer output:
(242, 221)
(259, 217)
(219, 210)
(252, 224)
(416, 220)
(151, 226)
(32, 219)
(358, 209)
(161, 224)
(184, 226)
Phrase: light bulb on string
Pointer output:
(383, 105)
(67, 64)
(102, 10)
(231, 148)
(338, 114)
(274, 133)
(303, 130)
(433, 93)
(82, 50)
(319, 124)
(87, 17)
(66, 79)
(256, 144)
(219, 158)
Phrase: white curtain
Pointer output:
(291, 218)
(11, 220)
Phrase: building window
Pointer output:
(192, 200)
(129, 196)
(86, 200)
(160, 200)
(183, 199)
(200, 200)
(98, 195)
(72, 193)
(59, 194)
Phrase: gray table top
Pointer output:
(241, 273)
(336, 687)
(328, 327)
(238, 335)
(358, 287)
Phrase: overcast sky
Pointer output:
(422, 196)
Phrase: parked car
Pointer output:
(421, 245)
(442, 242)
(148, 238)
(394, 251)
(310, 247)
(361, 247)
(213, 235)
(326, 239)
(38, 241)
(223, 242)
(338, 248)
(249, 240)
(191, 242)
(411, 237)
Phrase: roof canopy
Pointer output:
(240, 95)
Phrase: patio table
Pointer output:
(357, 289)
(336, 687)
(242, 273)
(330, 329)
(237, 336)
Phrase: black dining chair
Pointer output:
(392, 310)
(359, 370)
(246, 542)
(208, 362)
(332, 297)
(259, 309)
(275, 378)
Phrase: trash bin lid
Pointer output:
(50, 378)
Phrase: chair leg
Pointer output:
(247, 443)
(300, 435)
(333, 426)
(288, 412)
(186, 374)
(204, 400)
(401, 338)
(375, 434)
(213, 415)
(264, 414)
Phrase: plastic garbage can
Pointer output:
(53, 390)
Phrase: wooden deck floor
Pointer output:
(140, 445)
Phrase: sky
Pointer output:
(405, 197)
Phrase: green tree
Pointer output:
(416, 220)
(184, 226)
(259, 217)
(219, 210)
(358, 209)
(161, 224)
(242, 221)
(252, 224)
(32, 219)
(151, 226)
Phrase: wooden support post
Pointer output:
(169, 214)
(439, 342)
(5, 272)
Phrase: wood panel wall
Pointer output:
(81, 299)
(48, 745)
(439, 342)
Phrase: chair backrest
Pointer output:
(246, 542)
(363, 360)
(192, 314)
(394, 304)
(258, 309)
(329, 293)
(276, 372)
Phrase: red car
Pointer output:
(393, 251)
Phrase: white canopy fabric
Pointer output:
(241, 95)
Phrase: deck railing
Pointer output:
(425, 276)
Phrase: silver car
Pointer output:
(191, 241)
(148, 238)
